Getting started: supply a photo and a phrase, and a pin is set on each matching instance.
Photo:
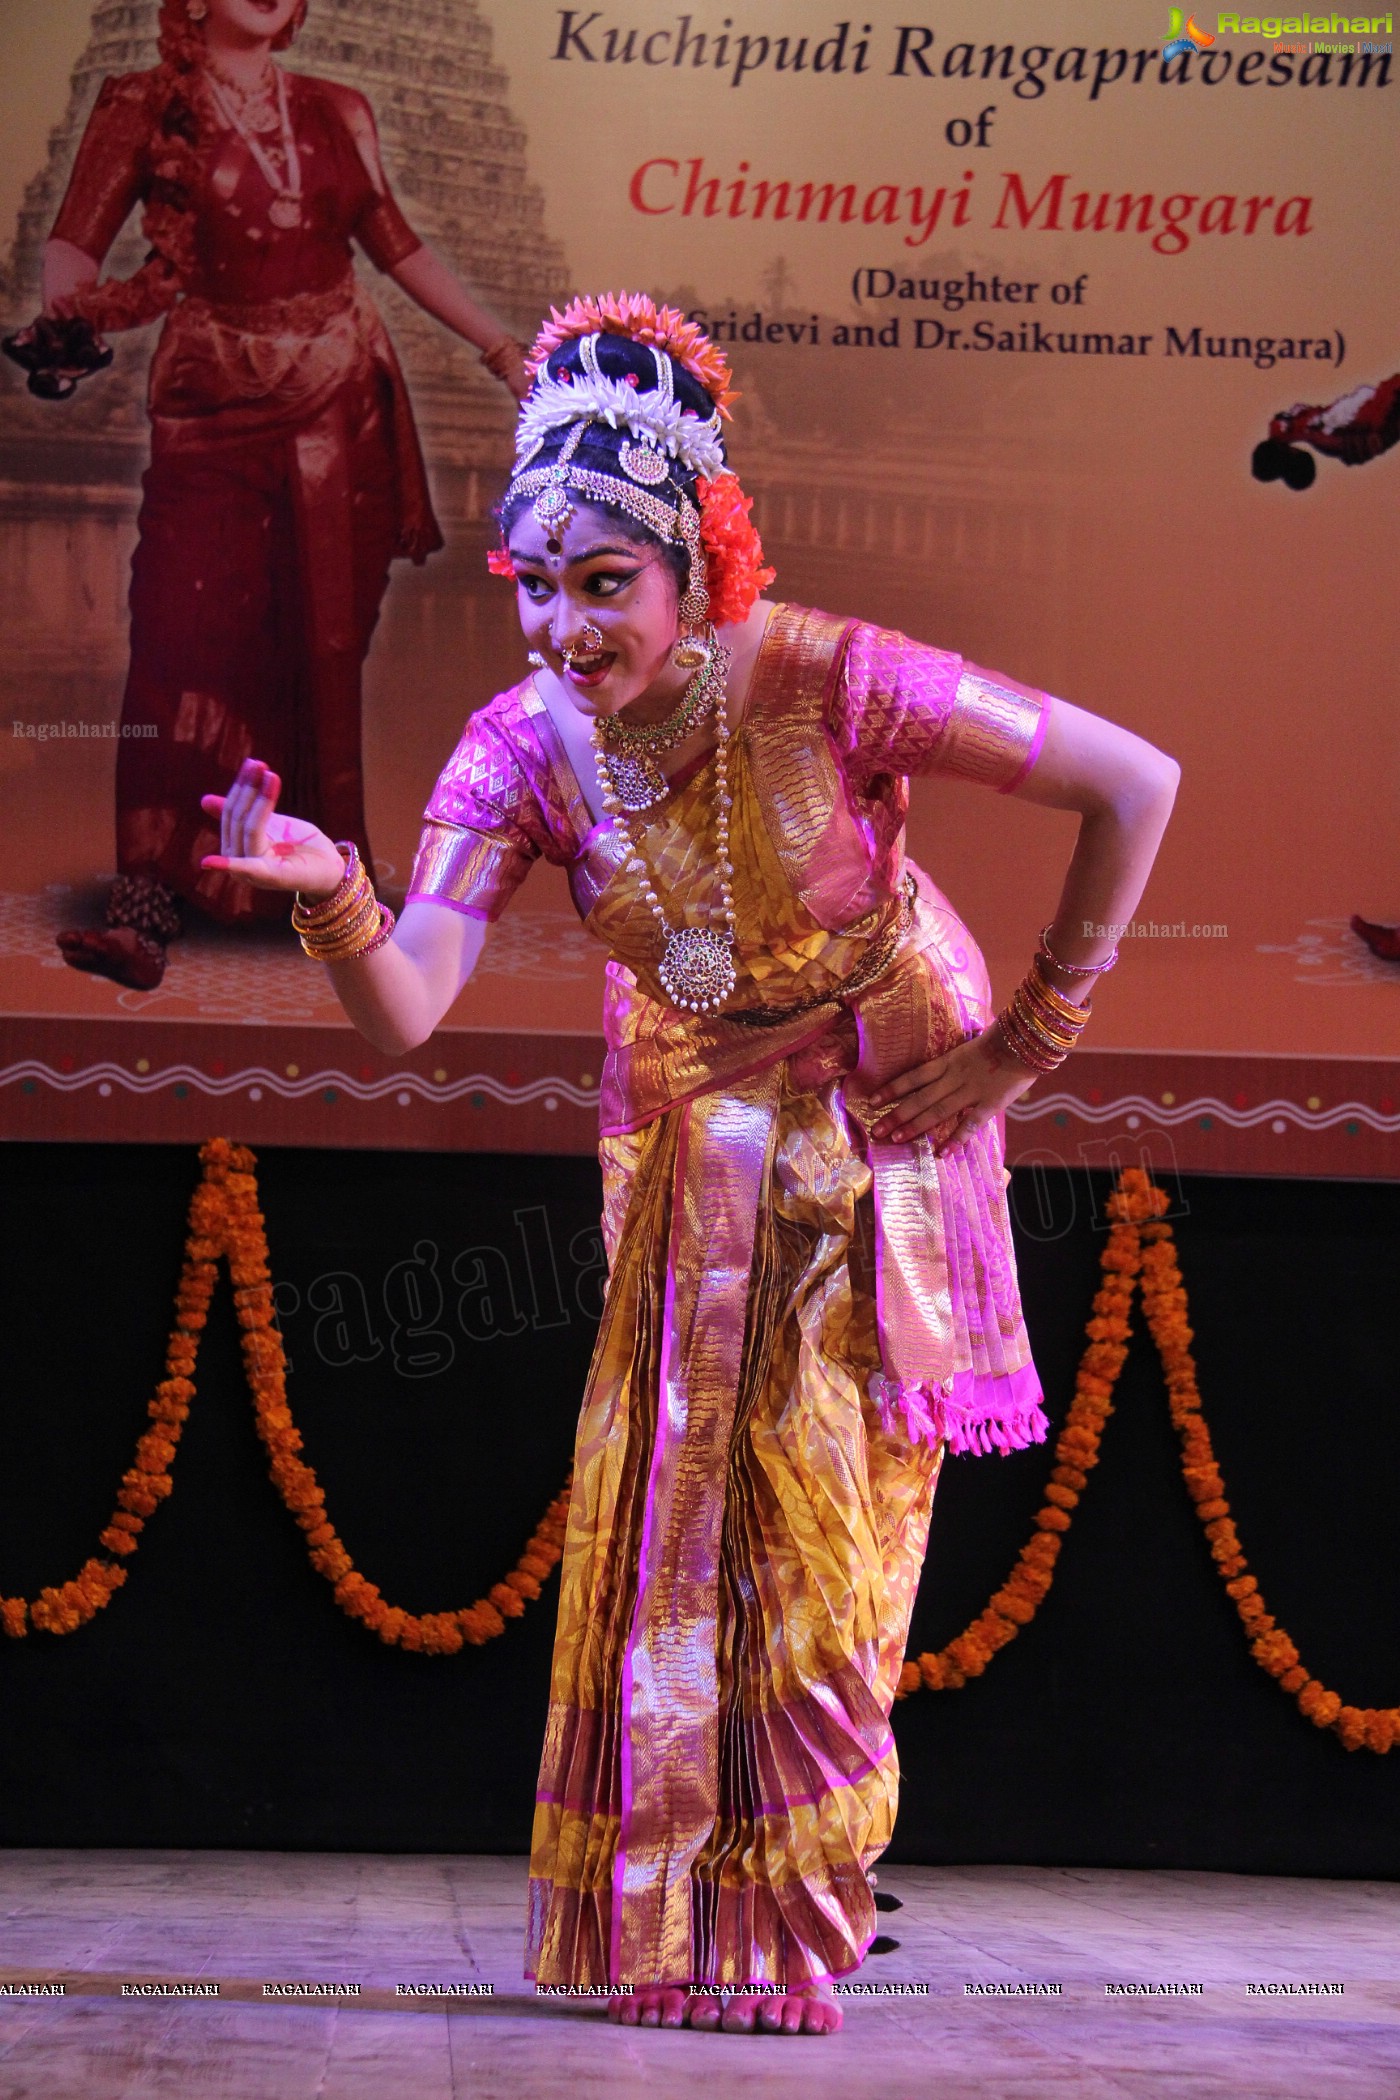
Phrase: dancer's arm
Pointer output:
(67, 270)
(1122, 789)
(397, 995)
(440, 292)
(394, 247)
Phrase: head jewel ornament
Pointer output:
(666, 451)
(661, 432)
(654, 419)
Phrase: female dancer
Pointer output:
(285, 472)
(812, 1293)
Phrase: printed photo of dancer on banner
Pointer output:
(1060, 347)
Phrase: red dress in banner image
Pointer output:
(285, 476)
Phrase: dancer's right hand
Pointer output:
(271, 852)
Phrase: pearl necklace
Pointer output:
(697, 965)
(285, 208)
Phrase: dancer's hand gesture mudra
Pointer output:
(270, 851)
(396, 992)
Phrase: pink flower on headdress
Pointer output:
(634, 315)
(498, 561)
(735, 571)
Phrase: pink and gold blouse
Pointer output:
(839, 715)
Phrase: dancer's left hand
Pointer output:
(952, 1095)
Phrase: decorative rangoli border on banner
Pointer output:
(258, 1081)
(1225, 1116)
(1166, 1110)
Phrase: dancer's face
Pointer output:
(591, 572)
(234, 23)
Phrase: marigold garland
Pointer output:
(226, 1224)
(1140, 1251)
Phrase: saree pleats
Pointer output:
(743, 1550)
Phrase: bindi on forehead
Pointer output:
(556, 558)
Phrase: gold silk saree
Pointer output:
(799, 1320)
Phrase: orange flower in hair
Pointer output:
(735, 571)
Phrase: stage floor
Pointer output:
(99, 1921)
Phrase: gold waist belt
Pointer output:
(304, 313)
(875, 961)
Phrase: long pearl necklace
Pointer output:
(285, 208)
(697, 965)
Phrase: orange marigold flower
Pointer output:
(1320, 1706)
(1382, 1729)
(1350, 1725)
(735, 571)
(1015, 1604)
(14, 1617)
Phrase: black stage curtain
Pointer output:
(439, 1311)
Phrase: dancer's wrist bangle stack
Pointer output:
(1041, 1026)
(504, 358)
(349, 924)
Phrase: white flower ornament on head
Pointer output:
(655, 418)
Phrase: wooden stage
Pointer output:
(1037, 1983)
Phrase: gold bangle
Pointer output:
(501, 356)
(320, 941)
(373, 936)
(1024, 1052)
(349, 923)
(356, 912)
(1027, 1048)
(1068, 1010)
(1037, 1026)
(317, 911)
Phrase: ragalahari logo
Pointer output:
(1185, 35)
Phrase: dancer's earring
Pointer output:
(695, 644)
(536, 661)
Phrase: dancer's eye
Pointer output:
(606, 583)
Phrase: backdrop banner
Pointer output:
(1065, 340)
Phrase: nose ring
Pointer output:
(588, 643)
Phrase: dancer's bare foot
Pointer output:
(119, 952)
(805, 2008)
(1383, 941)
(652, 2005)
